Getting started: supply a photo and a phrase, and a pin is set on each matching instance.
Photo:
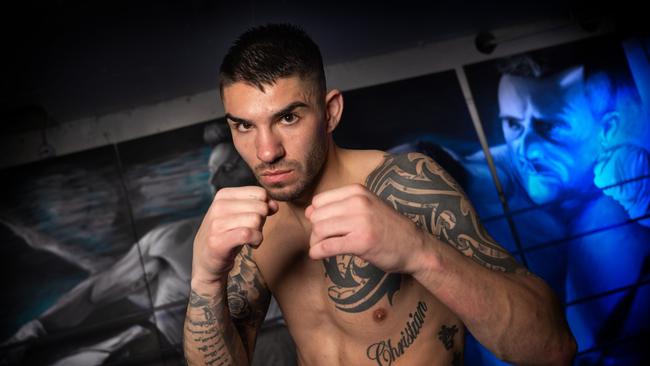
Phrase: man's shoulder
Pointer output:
(414, 167)
(372, 162)
(361, 162)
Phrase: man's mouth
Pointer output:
(275, 176)
(276, 172)
(538, 169)
(548, 172)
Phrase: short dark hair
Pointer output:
(263, 54)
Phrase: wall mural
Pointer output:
(102, 296)
(64, 223)
(569, 133)
(96, 246)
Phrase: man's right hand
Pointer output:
(235, 217)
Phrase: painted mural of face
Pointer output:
(551, 133)
(281, 133)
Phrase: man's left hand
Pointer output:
(353, 220)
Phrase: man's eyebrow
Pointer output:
(509, 116)
(237, 119)
(288, 109)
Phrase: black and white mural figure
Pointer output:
(164, 252)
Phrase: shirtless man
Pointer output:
(375, 259)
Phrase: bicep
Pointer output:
(248, 297)
(419, 188)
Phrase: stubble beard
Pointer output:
(307, 174)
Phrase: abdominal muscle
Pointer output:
(415, 329)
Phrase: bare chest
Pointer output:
(347, 307)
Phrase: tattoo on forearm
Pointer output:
(247, 298)
(446, 336)
(419, 188)
(247, 290)
(207, 333)
(384, 353)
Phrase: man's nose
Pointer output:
(269, 146)
(530, 145)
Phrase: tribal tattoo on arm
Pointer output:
(419, 188)
(225, 335)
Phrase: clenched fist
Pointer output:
(353, 220)
(235, 217)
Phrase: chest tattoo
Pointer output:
(356, 284)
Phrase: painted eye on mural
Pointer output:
(228, 167)
(512, 125)
(542, 127)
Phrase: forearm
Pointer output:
(210, 336)
(514, 315)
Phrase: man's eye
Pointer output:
(289, 118)
(243, 126)
(512, 124)
(543, 127)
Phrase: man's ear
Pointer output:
(610, 124)
(333, 108)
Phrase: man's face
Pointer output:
(280, 132)
(551, 134)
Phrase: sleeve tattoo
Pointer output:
(248, 297)
(208, 331)
(419, 188)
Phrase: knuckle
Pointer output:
(261, 208)
(359, 188)
(366, 223)
(362, 201)
(326, 246)
(212, 244)
(316, 229)
(255, 219)
(256, 192)
(263, 194)
(363, 247)
(367, 237)
(316, 201)
(215, 225)
(244, 235)
(223, 193)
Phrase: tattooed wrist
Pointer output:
(208, 287)
(206, 330)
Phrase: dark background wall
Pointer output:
(78, 59)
